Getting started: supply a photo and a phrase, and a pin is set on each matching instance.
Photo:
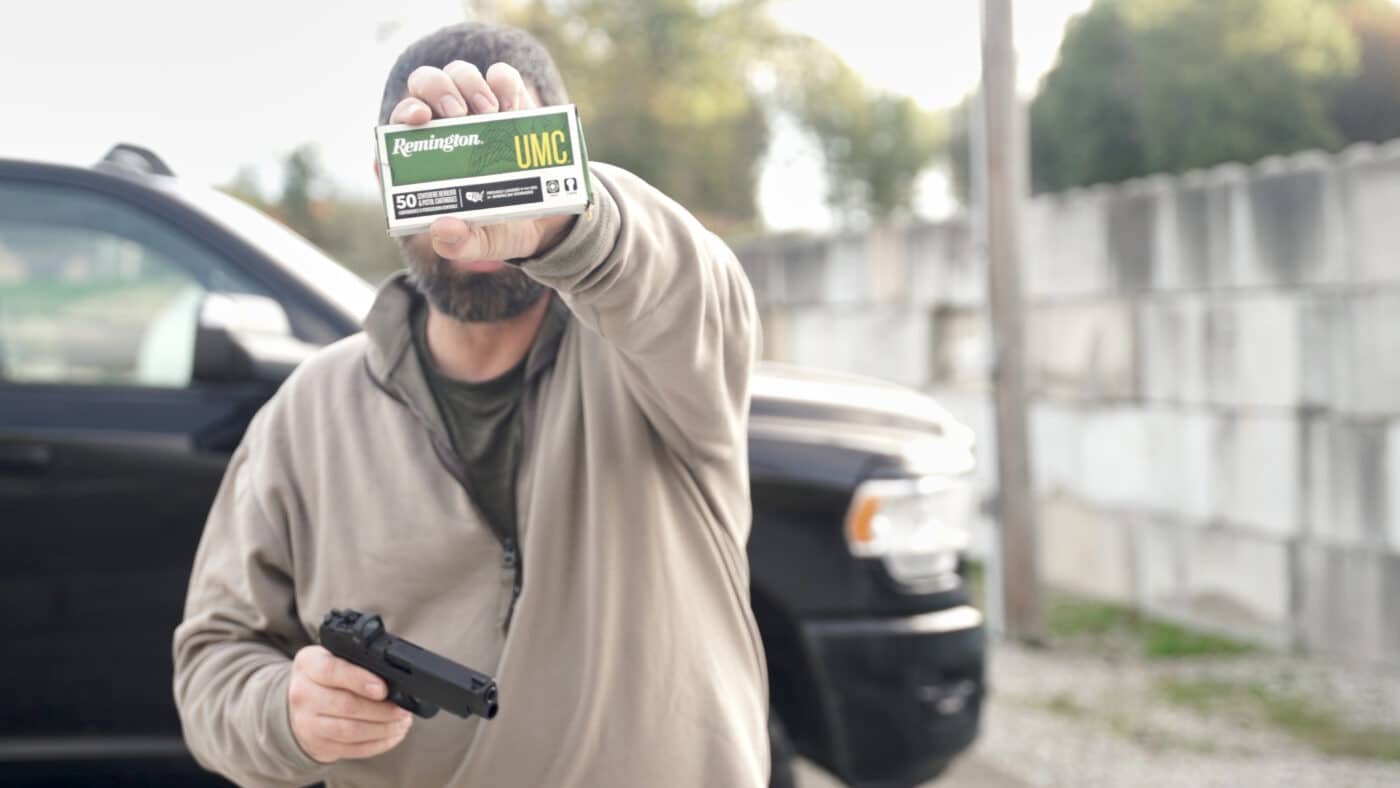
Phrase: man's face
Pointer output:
(477, 291)
(480, 291)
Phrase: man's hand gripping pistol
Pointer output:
(419, 680)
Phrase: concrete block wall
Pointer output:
(1215, 366)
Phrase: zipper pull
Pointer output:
(510, 556)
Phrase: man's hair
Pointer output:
(480, 44)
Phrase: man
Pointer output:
(532, 461)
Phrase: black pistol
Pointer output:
(419, 680)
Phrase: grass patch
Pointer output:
(975, 580)
(1103, 626)
(1063, 704)
(1118, 722)
(1110, 628)
(1291, 714)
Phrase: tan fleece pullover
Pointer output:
(632, 657)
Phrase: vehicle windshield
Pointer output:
(320, 272)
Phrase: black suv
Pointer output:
(142, 323)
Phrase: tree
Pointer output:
(875, 144)
(301, 177)
(1144, 86)
(668, 90)
(350, 230)
(1086, 125)
(664, 91)
(1366, 107)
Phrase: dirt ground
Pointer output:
(1064, 718)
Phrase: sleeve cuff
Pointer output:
(587, 244)
(279, 729)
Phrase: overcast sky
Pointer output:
(212, 86)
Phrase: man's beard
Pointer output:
(472, 297)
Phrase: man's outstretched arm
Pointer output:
(672, 299)
(638, 269)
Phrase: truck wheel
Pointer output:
(783, 754)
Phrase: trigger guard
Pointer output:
(412, 704)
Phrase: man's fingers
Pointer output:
(342, 703)
(508, 86)
(411, 111)
(347, 731)
(454, 239)
(328, 670)
(433, 87)
(471, 84)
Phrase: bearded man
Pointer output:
(532, 461)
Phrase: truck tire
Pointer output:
(783, 754)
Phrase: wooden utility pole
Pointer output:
(1003, 156)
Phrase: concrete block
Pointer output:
(1064, 250)
(1347, 603)
(1346, 482)
(1082, 350)
(1099, 456)
(801, 275)
(1181, 463)
(1258, 473)
(1056, 452)
(1205, 211)
(758, 261)
(1392, 485)
(1132, 236)
(776, 322)
(1328, 374)
(1254, 351)
(847, 271)
(945, 266)
(1159, 564)
(1238, 581)
(1085, 550)
(887, 342)
(962, 346)
(1374, 336)
(1172, 349)
(1295, 216)
(886, 257)
(1370, 193)
(1353, 352)
(1170, 270)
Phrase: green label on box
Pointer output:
(486, 148)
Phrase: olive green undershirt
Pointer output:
(482, 421)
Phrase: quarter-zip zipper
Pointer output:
(512, 563)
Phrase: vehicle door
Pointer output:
(110, 454)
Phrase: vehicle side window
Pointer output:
(95, 291)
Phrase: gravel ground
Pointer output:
(1059, 719)
(1066, 720)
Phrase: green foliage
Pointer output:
(1366, 107)
(1293, 714)
(875, 144)
(350, 230)
(663, 90)
(1104, 627)
(1146, 86)
(669, 90)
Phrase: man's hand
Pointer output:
(453, 91)
(338, 709)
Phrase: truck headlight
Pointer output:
(918, 527)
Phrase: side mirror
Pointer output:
(244, 338)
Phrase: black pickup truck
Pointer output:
(144, 320)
